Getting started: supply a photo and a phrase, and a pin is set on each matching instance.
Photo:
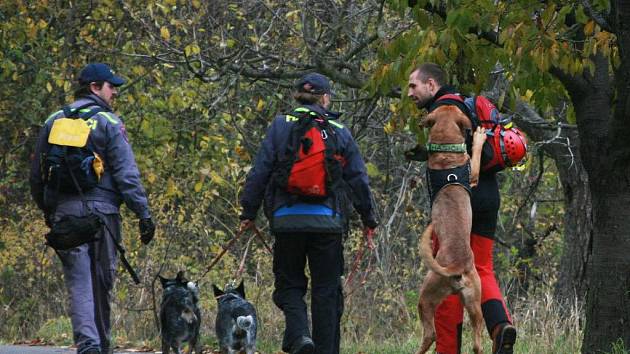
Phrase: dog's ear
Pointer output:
(240, 289)
(181, 278)
(217, 292)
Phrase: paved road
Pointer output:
(27, 349)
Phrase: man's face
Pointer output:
(107, 93)
(325, 101)
(420, 92)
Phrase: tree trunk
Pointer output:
(608, 272)
(560, 141)
(608, 302)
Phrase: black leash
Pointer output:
(227, 247)
(119, 247)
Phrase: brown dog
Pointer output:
(452, 271)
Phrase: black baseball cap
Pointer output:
(99, 72)
(315, 83)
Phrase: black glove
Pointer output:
(48, 219)
(417, 153)
(147, 230)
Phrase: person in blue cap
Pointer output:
(308, 226)
(89, 269)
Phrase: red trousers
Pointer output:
(450, 313)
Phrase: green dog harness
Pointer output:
(457, 148)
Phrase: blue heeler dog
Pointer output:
(180, 317)
(236, 321)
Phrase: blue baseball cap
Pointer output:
(314, 83)
(99, 72)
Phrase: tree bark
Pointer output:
(608, 272)
(608, 301)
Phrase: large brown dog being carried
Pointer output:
(451, 173)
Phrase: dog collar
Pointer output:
(457, 148)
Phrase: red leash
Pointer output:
(369, 236)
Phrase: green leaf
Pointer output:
(372, 170)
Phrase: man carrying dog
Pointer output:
(427, 84)
(305, 205)
(89, 269)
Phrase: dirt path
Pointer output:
(29, 349)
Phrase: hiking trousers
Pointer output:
(449, 315)
(324, 253)
(89, 271)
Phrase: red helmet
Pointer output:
(515, 146)
(510, 147)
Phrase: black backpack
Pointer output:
(68, 169)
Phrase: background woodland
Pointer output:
(205, 78)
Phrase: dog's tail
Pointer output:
(244, 322)
(426, 252)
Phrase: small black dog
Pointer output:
(180, 317)
(236, 322)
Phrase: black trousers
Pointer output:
(324, 253)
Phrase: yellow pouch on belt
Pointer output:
(69, 132)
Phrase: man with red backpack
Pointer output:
(428, 89)
(301, 170)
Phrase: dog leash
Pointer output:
(357, 261)
(216, 259)
(117, 245)
(241, 265)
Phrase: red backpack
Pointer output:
(312, 168)
(508, 142)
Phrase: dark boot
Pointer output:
(503, 339)
(303, 345)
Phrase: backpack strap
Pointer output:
(82, 111)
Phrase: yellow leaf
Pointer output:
(198, 186)
(171, 188)
(260, 105)
(589, 27)
(389, 127)
(192, 49)
(292, 15)
(48, 87)
(166, 35)
(218, 179)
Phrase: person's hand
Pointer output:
(48, 219)
(368, 232)
(147, 230)
(246, 224)
(417, 153)
(479, 137)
